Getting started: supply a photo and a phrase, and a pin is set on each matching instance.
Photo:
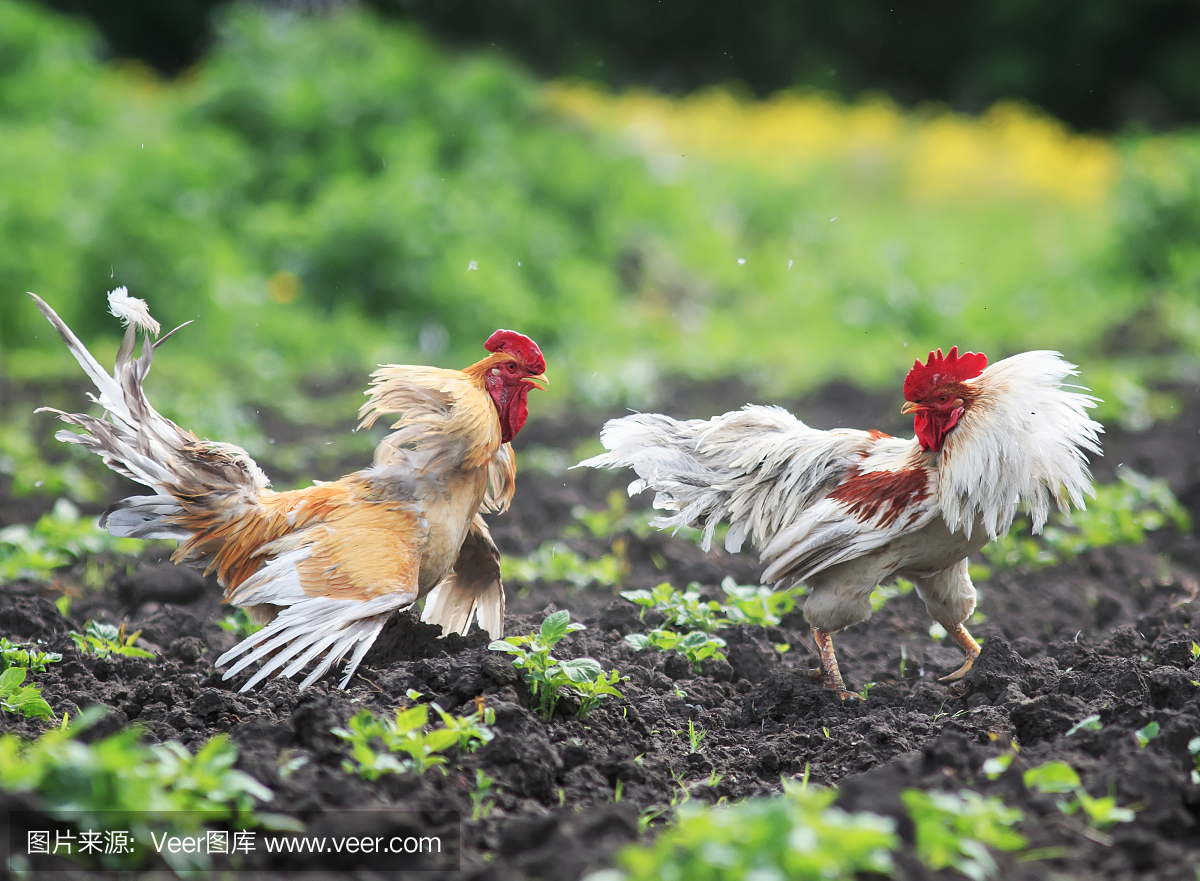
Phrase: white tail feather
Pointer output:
(317, 624)
(453, 608)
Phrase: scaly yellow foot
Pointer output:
(969, 645)
(832, 675)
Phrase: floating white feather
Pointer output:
(131, 310)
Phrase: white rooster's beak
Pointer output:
(911, 407)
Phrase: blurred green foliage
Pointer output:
(797, 835)
(554, 561)
(21, 460)
(1159, 210)
(1120, 514)
(323, 193)
(57, 539)
(957, 830)
(119, 783)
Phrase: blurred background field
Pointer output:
(322, 191)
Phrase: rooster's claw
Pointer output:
(959, 673)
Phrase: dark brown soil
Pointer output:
(1109, 634)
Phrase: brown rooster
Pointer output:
(324, 567)
(846, 510)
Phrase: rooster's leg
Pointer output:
(829, 664)
(969, 645)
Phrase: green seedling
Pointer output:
(592, 691)
(680, 795)
(880, 595)
(1146, 734)
(554, 561)
(758, 605)
(16, 697)
(472, 731)
(957, 830)
(289, 764)
(239, 624)
(1194, 751)
(695, 737)
(998, 764)
(408, 743)
(680, 609)
(548, 677)
(1052, 777)
(1090, 723)
(696, 646)
(1121, 514)
(15, 655)
(101, 640)
(797, 835)
(1102, 813)
(1061, 778)
(481, 805)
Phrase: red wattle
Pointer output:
(932, 427)
(514, 414)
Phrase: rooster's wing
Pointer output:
(809, 499)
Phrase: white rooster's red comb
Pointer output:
(519, 345)
(941, 369)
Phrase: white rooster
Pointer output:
(846, 510)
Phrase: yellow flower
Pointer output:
(1010, 152)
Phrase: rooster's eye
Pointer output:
(511, 367)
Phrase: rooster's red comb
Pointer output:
(519, 345)
(939, 369)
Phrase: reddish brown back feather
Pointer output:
(892, 492)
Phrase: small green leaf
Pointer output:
(1091, 723)
(582, 669)
(11, 678)
(440, 739)
(554, 627)
(641, 597)
(1052, 777)
(1146, 734)
(412, 718)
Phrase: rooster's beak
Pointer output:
(911, 407)
(534, 380)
